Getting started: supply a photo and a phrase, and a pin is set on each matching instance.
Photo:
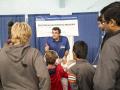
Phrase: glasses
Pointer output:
(103, 21)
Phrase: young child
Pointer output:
(82, 71)
(56, 71)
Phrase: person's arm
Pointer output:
(42, 72)
(47, 44)
(64, 74)
(64, 59)
(66, 53)
(105, 76)
(72, 79)
(67, 47)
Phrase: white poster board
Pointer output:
(68, 27)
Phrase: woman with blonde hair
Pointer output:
(22, 67)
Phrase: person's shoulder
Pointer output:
(70, 63)
(59, 69)
(74, 67)
(81, 65)
(82, 68)
(49, 39)
(34, 50)
(86, 67)
(59, 66)
(90, 66)
(113, 41)
(85, 64)
(64, 38)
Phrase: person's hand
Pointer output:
(46, 47)
(64, 61)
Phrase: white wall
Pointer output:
(50, 6)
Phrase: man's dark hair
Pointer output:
(10, 24)
(51, 57)
(112, 13)
(99, 18)
(80, 49)
(114, 4)
(57, 29)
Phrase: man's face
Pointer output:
(105, 25)
(55, 34)
(101, 26)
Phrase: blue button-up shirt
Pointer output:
(59, 46)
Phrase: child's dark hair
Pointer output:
(99, 18)
(80, 49)
(51, 57)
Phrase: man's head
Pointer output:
(101, 22)
(56, 33)
(80, 50)
(101, 25)
(112, 18)
(51, 56)
(114, 4)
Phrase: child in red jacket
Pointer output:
(56, 71)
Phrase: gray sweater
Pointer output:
(107, 75)
(23, 68)
(84, 73)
